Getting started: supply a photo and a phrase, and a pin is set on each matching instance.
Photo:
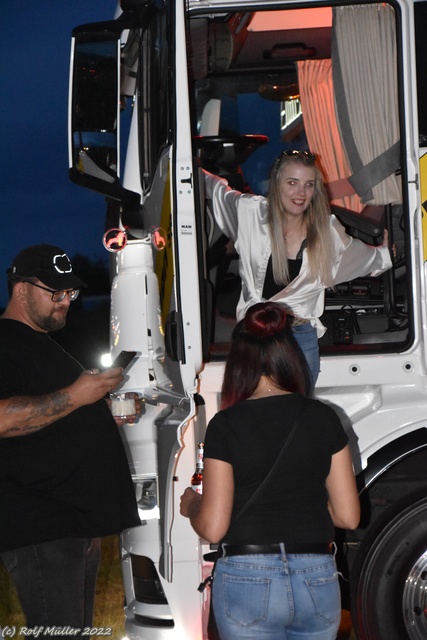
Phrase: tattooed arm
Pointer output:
(22, 415)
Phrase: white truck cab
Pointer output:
(169, 88)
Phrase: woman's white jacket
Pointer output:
(244, 219)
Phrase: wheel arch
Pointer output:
(390, 455)
(392, 483)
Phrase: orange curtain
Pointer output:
(323, 136)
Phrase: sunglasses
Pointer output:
(294, 153)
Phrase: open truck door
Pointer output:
(121, 92)
(225, 85)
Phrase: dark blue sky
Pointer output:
(38, 202)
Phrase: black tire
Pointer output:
(389, 574)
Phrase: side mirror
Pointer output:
(94, 110)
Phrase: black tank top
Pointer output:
(271, 288)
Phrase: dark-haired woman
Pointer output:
(291, 248)
(276, 575)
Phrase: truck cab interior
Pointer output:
(265, 81)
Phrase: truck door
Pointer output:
(129, 99)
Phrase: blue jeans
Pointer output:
(306, 337)
(56, 581)
(278, 597)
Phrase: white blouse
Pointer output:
(244, 219)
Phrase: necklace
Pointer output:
(263, 393)
(265, 387)
(297, 232)
(295, 237)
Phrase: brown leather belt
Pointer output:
(321, 548)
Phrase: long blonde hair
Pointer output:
(316, 218)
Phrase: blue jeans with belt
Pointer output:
(56, 581)
(277, 597)
(306, 337)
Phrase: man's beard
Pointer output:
(53, 322)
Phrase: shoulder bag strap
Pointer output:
(274, 467)
(254, 496)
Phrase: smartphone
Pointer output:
(124, 359)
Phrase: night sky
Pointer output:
(38, 202)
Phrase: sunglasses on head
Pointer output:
(294, 153)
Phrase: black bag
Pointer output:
(212, 629)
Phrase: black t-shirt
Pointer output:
(249, 436)
(70, 479)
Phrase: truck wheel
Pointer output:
(389, 574)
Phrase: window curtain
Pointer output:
(364, 64)
(323, 136)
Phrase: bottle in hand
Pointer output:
(197, 477)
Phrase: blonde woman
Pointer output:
(291, 248)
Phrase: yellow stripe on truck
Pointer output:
(164, 267)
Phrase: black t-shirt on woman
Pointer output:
(70, 479)
(293, 506)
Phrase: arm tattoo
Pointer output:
(41, 411)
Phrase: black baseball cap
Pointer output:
(47, 263)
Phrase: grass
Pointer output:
(109, 594)
(109, 600)
(109, 597)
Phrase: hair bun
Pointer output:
(266, 319)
